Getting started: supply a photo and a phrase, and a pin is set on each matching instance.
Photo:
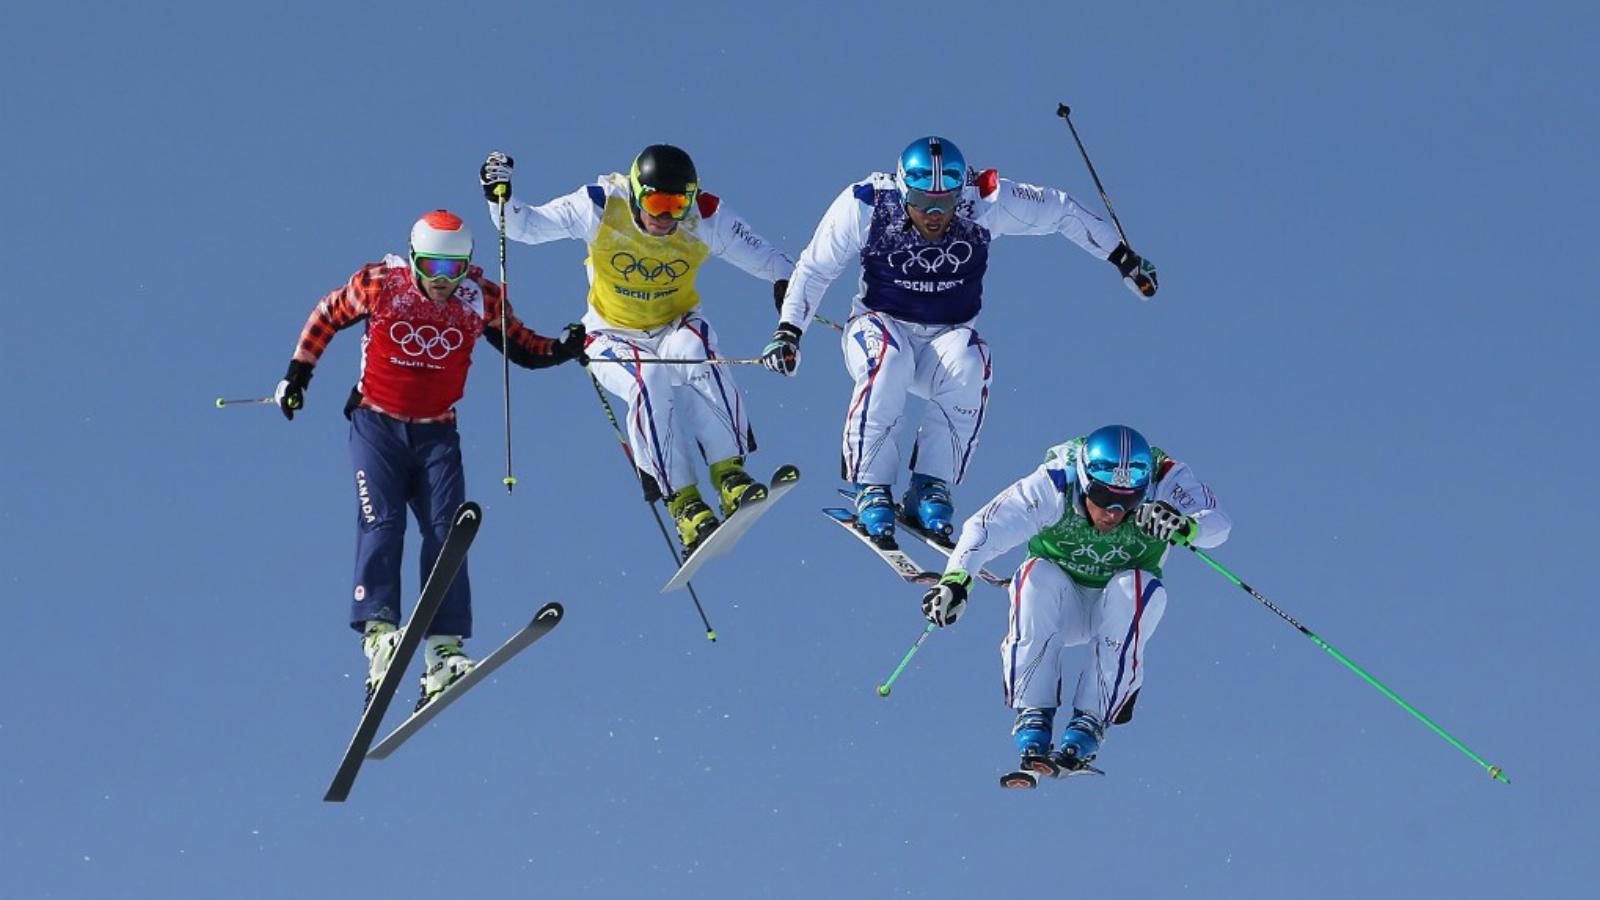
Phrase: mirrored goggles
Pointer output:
(1107, 497)
(933, 201)
(451, 267)
(661, 203)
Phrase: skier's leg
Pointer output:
(1124, 618)
(382, 465)
(438, 490)
(1042, 606)
(648, 391)
(710, 401)
(714, 413)
(882, 363)
(953, 373)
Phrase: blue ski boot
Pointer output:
(1032, 733)
(927, 504)
(875, 510)
(1079, 742)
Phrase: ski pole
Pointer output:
(883, 689)
(718, 361)
(222, 402)
(1495, 772)
(1065, 112)
(627, 452)
(828, 322)
(510, 480)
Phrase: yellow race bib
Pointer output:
(642, 281)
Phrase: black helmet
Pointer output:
(665, 168)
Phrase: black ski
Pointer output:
(463, 528)
(547, 618)
(1036, 767)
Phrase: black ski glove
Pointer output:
(944, 603)
(291, 392)
(495, 176)
(570, 344)
(1138, 273)
(782, 354)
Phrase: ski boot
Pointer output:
(875, 513)
(1080, 742)
(927, 505)
(378, 643)
(735, 487)
(694, 518)
(1032, 734)
(446, 663)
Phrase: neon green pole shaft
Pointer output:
(1495, 772)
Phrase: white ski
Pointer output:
(729, 532)
(895, 558)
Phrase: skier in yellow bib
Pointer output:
(648, 233)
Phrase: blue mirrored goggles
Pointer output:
(1107, 497)
(451, 267)
(933, 201)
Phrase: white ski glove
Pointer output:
(945, 602)
(1162, 521)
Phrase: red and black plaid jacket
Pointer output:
(415, 353)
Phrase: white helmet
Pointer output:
(441, 233)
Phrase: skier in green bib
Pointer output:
(1099, 517)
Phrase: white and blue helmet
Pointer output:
(931, 174)
(1115, 467)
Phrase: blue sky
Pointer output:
(1372, 223)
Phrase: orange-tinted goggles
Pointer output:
(661, 203)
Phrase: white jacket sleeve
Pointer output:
(574, 216)
(834, 247)
(1193, 498)
(1016, 514)
(735, 241)
(1018, 208)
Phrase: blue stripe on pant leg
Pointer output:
(1130, 639)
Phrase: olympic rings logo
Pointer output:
(932, 260)
(417, 341)
(647, 268)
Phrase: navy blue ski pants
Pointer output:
(398, 464)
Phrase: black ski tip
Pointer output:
(785, 474)
(468, 512)
(1019, 780)
(550, 612)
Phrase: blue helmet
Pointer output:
(931, 174)
(1115, 466)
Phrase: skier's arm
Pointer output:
(835, 246)
(1011, 518)
(735, 241)
(1191, 497)
(337, 311)
(1012, 207)
(575, 215)
(527, 348)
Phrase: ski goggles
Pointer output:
(663, 203)
(1107, 497)
(452, 267)
(933, 201)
